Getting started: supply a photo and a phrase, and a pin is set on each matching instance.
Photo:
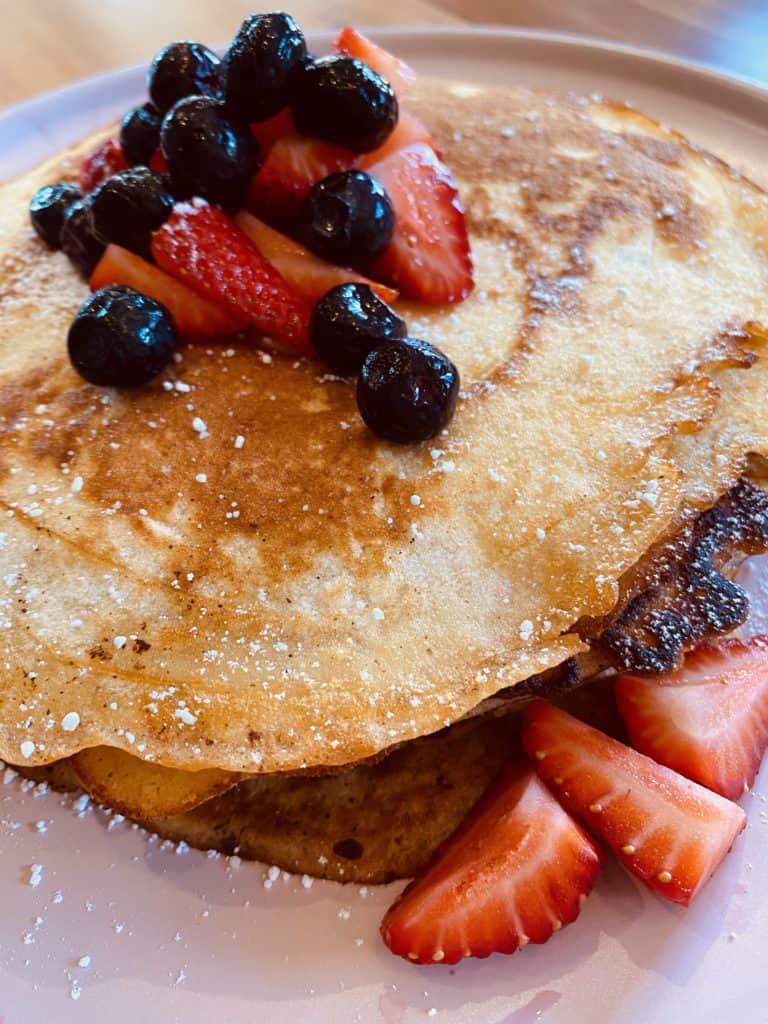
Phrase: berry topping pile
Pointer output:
(273, 193)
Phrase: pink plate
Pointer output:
(100, 921)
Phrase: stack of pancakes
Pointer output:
(230, 611)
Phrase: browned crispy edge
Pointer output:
(680, 595)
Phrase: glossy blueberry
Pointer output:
(258, 66)
(129, 206)
(407, 390)
(349, 219)
(140, 134)
(182, 69)
(121, 338)
(349, 322)
(341, 100)
(208, 154)
(47, 209)
(78, 239)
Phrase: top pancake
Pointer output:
(317, 594)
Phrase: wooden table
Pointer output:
(46, 43)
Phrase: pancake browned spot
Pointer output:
(126, 446)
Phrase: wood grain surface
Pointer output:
(46, 43)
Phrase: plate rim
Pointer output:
(573, 41)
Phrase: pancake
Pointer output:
(378, 822)
(384, 819)
(368, 825)
(325, 595)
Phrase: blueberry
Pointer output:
(349, 219)
(78, 239)
(129, 206)
(341, 100)
(407, 390)
(182, 69)
(47, 209)
(121, 338)
(349, 322)
(259, 64)
(208, 154)
(140, 134)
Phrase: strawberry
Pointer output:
(709, 719)
(268, 132)
(201, 246)
(670, 832)
(293, 164)
(407, 132)
(351, 43)
(194, 316)
(307, 273)
(428, 257)
(106, 159)
(514, 872)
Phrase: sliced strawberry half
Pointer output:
(429, 257)
(709, 719)
(194, 316)
(351, 43)
(409, 131)
(105, 160)
(307, 273)
(294, 163)
(202, 247)
(668, 831)
(515, 871)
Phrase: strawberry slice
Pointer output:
(268, 132)
(194, 316)
(514, 872)
(307, 273)
(709, 719)
(293, 164)
(429, 258)
(409, 131)
(202, 247)
(351, 43)
(670, 832)
(105, 160)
